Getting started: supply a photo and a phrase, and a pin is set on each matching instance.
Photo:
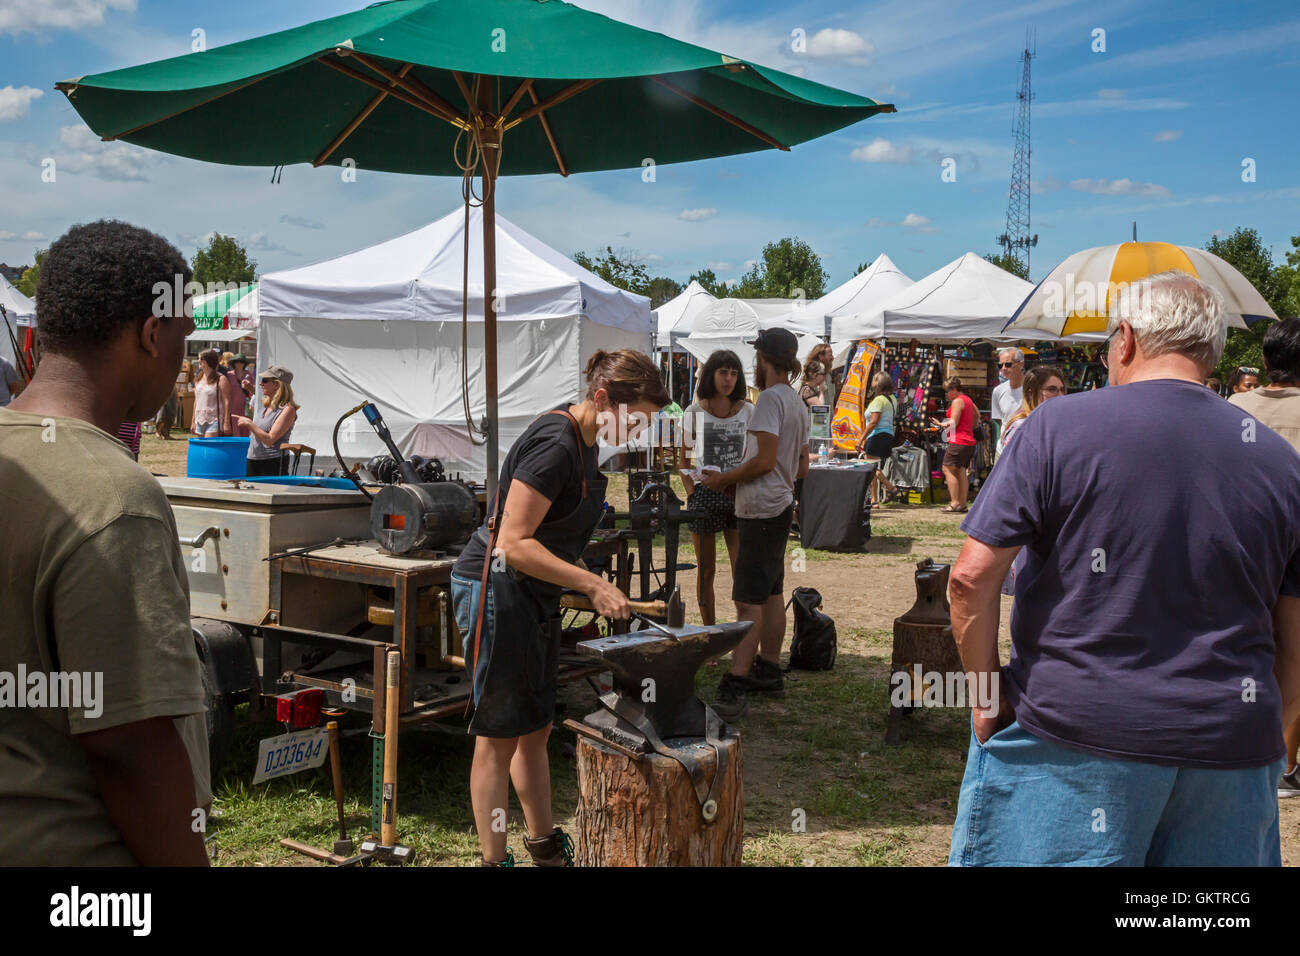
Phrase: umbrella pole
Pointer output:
(490, 137)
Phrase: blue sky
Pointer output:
(1155, 128)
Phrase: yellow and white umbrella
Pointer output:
(1077, 295)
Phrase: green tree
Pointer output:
(223, 260)
(1289, 276)
(31, 275)
(787, 269)
(709, 283)
(621, 269)
(1010, 263)
(1245, 252)
(662, 289)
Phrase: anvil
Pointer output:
(654, 679)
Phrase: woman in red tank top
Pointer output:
(960, 422)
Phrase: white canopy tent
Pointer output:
(967, 300)
(384, 324)
(862, 293)
(676, 317)
(21, 314)
(733, 324)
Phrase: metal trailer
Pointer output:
(267, 622)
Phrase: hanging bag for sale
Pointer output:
(815, 644)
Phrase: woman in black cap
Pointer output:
(776, 455)
(506, 587)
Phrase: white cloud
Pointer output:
(969, 155)
(119, 162)
(828, 43)
(1167, 135)
(29, 236)
(264, 243)
(697, 215)
(1104, 187)
(911, 223)
(302, 222)
(881, 150)
(1111, 94)
(16, 102)
(33, 16)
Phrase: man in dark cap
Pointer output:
(776, 455)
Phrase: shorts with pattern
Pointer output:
(719, 510)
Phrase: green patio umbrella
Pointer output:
(463, 87)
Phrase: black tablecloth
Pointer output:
(832, 514)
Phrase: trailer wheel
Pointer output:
(220, 718)
(229, 672)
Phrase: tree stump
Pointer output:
(646, 813)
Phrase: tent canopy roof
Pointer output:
(862, 293)
(676, 317)
(19, 307)
(966, 300)
(418, 276)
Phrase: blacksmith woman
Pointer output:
(550, 498)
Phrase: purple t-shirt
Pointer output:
(1160, 524)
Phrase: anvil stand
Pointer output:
(654, 699)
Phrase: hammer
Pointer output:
(343, 845)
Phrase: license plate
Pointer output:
(289, 753)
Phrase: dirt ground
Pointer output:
(820, 785)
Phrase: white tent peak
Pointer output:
(966, 300)
(419, 275)
(861, 293)
(676, 317)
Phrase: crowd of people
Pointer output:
(1149, 714)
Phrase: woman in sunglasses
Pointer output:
(1041, 383)
(1244, 379)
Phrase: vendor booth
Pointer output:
(384, 324)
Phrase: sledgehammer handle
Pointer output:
(393, 700)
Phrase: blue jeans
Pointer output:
(1026, 801)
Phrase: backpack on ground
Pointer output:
(814, 645)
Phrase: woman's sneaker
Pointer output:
(1289, 785)
(508, 861)
(554, 849)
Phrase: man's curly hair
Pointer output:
(98, 278)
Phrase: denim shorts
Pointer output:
(515, 684)
(1026, 801)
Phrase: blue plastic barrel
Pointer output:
(217, 458)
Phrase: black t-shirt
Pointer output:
(550, 459)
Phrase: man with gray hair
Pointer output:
(1156, 628)
(1009, 393)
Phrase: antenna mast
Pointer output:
(1017, 241)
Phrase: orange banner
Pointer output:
(847, 425)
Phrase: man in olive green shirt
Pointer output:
(103, 751)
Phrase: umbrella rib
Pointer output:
(395, 92)
(69, 88)
(408, 83)
(555, 99)
(357, 120)
(525, 87)
(550, 136)
(720, 113)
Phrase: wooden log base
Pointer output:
(646, 812)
